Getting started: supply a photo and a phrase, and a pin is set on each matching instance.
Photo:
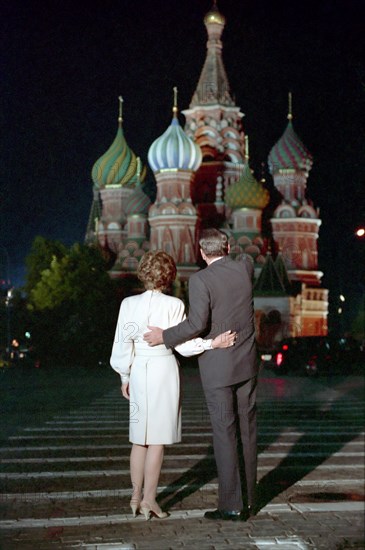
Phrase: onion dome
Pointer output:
(214, 16)
(137, 202)
(174, 150)
(289, 153)
(247, 192)
(118, 166)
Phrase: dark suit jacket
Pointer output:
(220, 298)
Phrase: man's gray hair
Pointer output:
(213, 243)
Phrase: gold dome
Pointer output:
(214, 16)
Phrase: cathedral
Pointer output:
(203, 179)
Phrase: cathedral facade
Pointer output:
(203, 179)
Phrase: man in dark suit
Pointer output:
(220, 298)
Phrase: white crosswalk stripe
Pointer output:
(325, 445)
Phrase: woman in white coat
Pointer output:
(150, 375)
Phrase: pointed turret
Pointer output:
(295, 223)
(115, 174)
(289, 153)
(247, 192)
(269, 281)
(289, 163)
(118, 165)
(135, 242)
(245, 200)
(174, 158)
(213, 86)
(174, 150)
(215, 123)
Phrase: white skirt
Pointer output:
(155, 402)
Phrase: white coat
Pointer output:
(152, 372)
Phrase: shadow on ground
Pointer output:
(294, 466)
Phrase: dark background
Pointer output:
(63, 65)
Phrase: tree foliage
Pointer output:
(73, 303)
(39, 259)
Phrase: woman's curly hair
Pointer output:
(156, 270)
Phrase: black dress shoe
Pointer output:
(225, 515)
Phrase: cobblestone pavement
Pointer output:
(65, 482)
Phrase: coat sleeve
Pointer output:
(190, 347)
(198, 318)
(123, 346)
(194, 347)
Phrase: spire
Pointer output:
(138, 173)
(247, 155)
(213, 87)
(289, 153)
(120, 117)
(290, 112)
(175, 109)
(174, 150)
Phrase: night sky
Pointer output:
(63, 65)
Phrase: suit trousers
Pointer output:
(232, 411)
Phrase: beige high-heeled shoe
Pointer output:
(135, 504)
(148, 512)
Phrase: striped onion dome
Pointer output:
(137, 202)
(247, 192)
(174, 150)
(289, 153)
(118, 166)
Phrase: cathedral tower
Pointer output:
(245, 201)
(115, 176)
(174, 158)
(295, 227)
(215, 124)
(296, 222)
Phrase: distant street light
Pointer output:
(348, 244)
(8, 298)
